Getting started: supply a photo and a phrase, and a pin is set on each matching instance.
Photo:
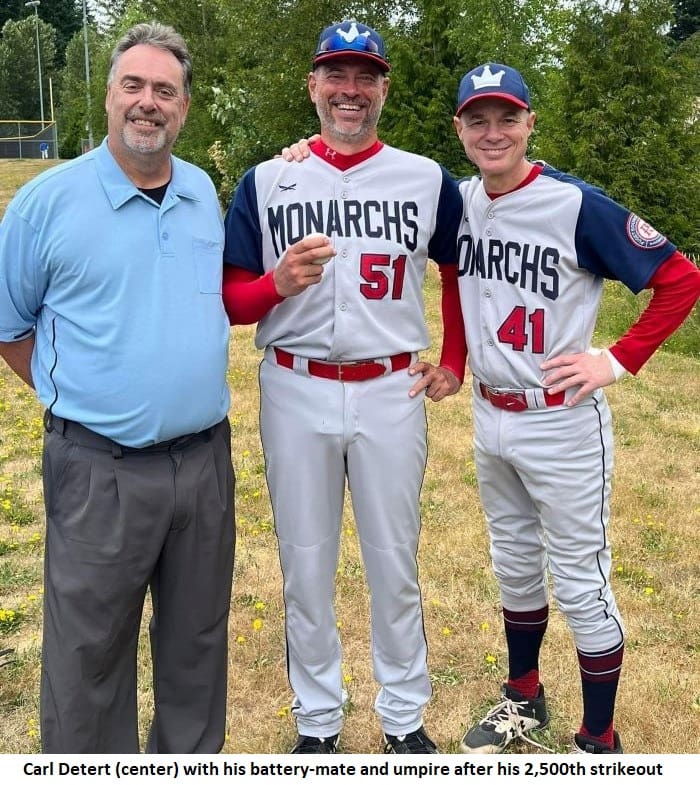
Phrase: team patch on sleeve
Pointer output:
(642, 234)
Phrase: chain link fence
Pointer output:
(28, 139)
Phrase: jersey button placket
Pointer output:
(343, 276)
(489, 228)
(490, 313)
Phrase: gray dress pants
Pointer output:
(120, 521)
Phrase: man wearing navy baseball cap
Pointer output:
(535, 247)
(351, 38)
(493, 80)
(491, 90)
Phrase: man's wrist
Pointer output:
(618, 368)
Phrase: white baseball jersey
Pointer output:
(384, 226)
(534, 292)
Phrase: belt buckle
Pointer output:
(510, 401)
(514, 402)
(348, 364)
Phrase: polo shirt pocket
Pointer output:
(209, 263)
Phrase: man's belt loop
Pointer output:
(53, 423)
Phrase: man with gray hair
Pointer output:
(110, 308)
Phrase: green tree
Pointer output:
(65, 16)
(73, 120)
(438, 42)
(19, 81)
(426, 67)
(625, 114)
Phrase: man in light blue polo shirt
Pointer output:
(110, 307)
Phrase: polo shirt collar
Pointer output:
(120, 189)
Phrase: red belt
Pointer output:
(516, 400)
(355, 371)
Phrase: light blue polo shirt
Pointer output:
(124, 295)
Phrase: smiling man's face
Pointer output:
(146, 103)
(349, 95)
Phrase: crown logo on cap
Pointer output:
(487, 79)
(352, 34)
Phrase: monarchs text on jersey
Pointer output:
(530, 284)
(386, 216)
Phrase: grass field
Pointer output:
(656, 574)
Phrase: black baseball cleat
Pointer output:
(513, 717)
(585, 744)
(311, 745)
(416, 743)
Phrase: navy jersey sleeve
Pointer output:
(442, 247)
(243, 238)
(614, 243)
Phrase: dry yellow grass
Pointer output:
(656, 575)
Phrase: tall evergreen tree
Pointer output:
(626, 111)
(19, 79)
(426, 70)
(439, 41)
(64, 15)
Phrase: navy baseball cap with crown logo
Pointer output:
(351, 38)
(493, 80)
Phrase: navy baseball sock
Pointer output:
(600, 674)
(524, 633)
